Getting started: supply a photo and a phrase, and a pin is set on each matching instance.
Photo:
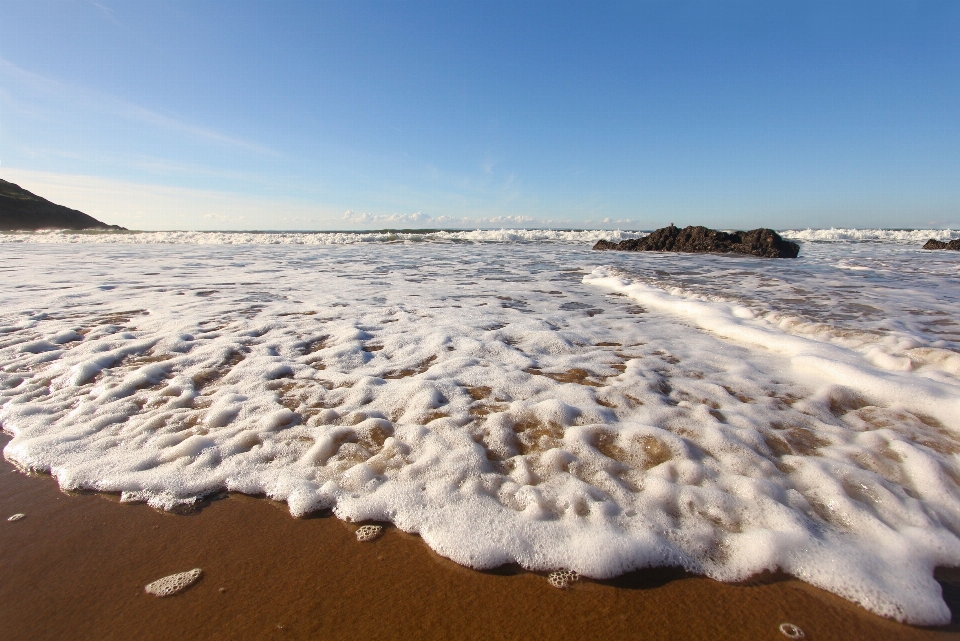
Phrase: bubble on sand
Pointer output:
(174, 584)
(16, 517)
(562, 578)
(791, 631)
(369, 532)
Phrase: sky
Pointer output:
(271, 115)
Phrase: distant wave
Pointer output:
(321, 238)
(891, 235)
(571, 237)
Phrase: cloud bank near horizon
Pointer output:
(162, 208)
(426, 221)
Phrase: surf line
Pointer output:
(811, 360)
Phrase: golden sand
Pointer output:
(75, 568)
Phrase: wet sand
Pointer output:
(76, 565)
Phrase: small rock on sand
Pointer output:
(369, 532)
(174, 584)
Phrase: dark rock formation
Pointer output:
(939, 244)
(22, 210)
(765, 243)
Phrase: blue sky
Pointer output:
(334, 115)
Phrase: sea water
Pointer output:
(514, 396)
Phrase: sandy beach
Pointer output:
(75, 568)
(479, 320)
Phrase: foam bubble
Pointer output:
(791, 631)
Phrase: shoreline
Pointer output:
(76, 566)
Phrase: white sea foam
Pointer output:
(516, 402)
(578, 237)
(891, 235)
(814, 355)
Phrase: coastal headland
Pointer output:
(21, 210)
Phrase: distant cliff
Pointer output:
(22, 210)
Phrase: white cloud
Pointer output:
(422, 220)
(386, 220)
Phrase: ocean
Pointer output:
(513, 396)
